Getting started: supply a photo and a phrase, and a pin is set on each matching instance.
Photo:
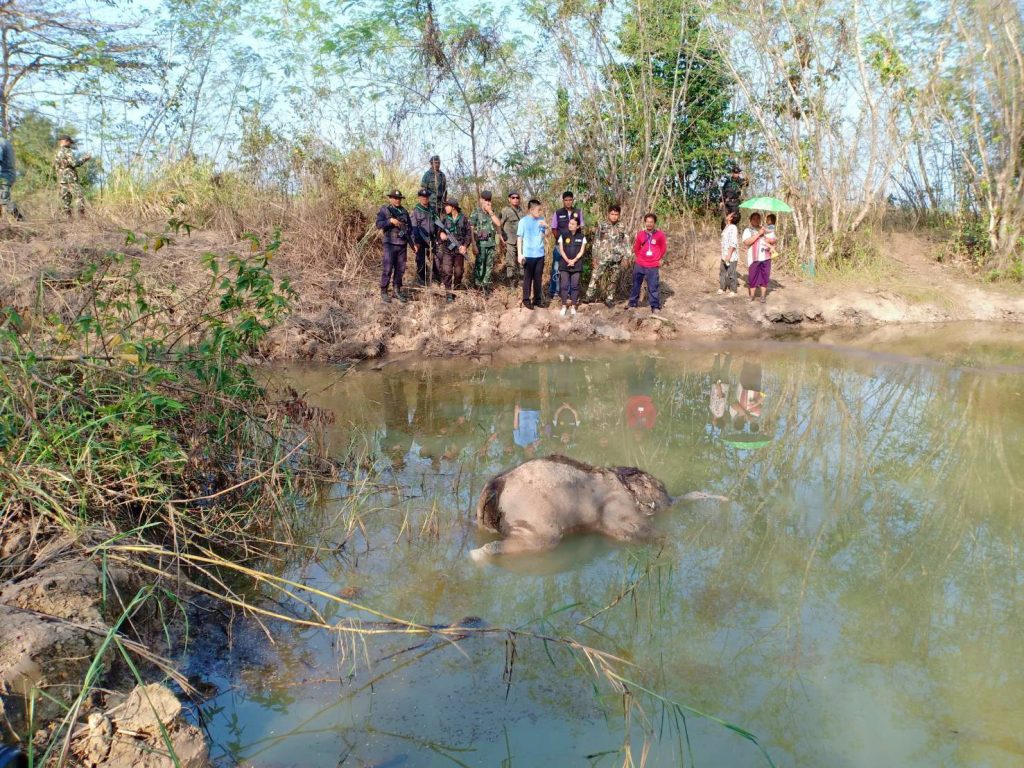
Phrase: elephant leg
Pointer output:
(513, 545)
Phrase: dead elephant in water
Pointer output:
(535, 504)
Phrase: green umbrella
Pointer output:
(772, 204)
(746, 440)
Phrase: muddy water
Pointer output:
(859, 601)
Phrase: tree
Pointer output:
(51, 49)
(980, 103)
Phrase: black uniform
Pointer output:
(569, 276)
(424, 241)
(396, 244)
(732, 194)
(561, 221)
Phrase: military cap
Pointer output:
(567, 193)
(486, 195)
(453, 203)
(423, 193)
(734, 168)
(65, 137)
(395, 193)
(435, 157)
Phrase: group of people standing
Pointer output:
(759, 240)
(441, 236)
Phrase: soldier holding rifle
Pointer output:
(394, 223)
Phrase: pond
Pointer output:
(857, 601)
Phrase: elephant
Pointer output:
(536, 503)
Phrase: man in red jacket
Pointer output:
(649, 250)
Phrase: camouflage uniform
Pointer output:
(486, 236)
(66, 166)
(510, 217)
(611, 246)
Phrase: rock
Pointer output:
(789, 316)
(613, 332)
(137, 733)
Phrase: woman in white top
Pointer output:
(759, 257)
(728, 280)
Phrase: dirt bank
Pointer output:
(57, 609)
(338, 315)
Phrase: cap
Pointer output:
(395, 193)
(65, 137)
(514, 193)
(734, 168)
(423, 193)
(567, 193)
(453, 203)
(435, 157)
(486, 195)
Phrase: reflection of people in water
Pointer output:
(720, 383)
(750, 396)
(527, 419)
(397, 435)
(641, 413)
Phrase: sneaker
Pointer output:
(720, 291)
(527, 305)
(655, 310)
(730, 295)
(630, 306)
(564, 310)
(384, 297)
(572, 311)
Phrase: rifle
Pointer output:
(452, 244)
(403, 218)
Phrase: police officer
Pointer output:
(486, 226)
(393, 221)
(455, 235)
(510, 216)
(732, 191)
(436, 184)
(560, 228)
(7, 176)
(424, 238)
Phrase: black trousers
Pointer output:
(533, 275)
(394, 265)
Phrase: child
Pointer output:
(649, 249)
(727, 266)
(571, 246)
(769, 235)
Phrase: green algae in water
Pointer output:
(858, 602)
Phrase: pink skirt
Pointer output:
(759, 274)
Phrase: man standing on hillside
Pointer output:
(66, 166)
(7, 176)
(732, 191)
(436, 184)
(424, 238)
(560, 228)
(393, 222)
(510, 216)
(611, 246)
(486, 226)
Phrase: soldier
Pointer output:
(486, 226)
(436, 183)
(424, 238)
(510, 216)
(66, 166)
(7, 177)
(732, 191)
(611, 245)
(393, 221)
(560, 229)
(455, 236)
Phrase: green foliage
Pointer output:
(121, 411)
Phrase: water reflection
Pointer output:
(860, 601)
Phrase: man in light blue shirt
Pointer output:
(530, 247)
